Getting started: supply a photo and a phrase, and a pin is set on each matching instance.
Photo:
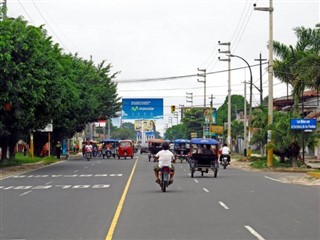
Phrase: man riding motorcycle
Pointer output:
(225, 151)
(165, 158)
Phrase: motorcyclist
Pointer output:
(88, 148)
(165, 158)
(225, 151)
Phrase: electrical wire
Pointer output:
(26, 12)
(178, 77)
(47, 24)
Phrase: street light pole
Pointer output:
(250, 109)
(269, 9)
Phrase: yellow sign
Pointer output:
(216, 129)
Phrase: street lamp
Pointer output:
(250, 110)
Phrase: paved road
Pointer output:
(77, 199)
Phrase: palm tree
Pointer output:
(299, 65)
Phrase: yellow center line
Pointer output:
(120, 205)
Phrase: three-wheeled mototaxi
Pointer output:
(154, 146)
(109, 147)
(201, 161)
(125, 149)
(181, 149)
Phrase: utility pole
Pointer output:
(245, 137)
(204, 95)
(229, 87)
(181, 111)
(211, 109)
(4, 9)
(261, 89)
(204, 74)
(190, 96)
(270, 77)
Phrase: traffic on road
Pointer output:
(118, 199)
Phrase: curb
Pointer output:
(314, 174)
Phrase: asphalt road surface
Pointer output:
(118, 199)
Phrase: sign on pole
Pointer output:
(303, 124)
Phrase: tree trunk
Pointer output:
(294, 161)
(4, 149)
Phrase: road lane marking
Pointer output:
(120, 204)
(71, 175)
(25, 193)
(254, 233)
(48, 183)
(196, 180)
(46, 187)
(75, 171)
(223, 205)
(273, 179)
(206, 190)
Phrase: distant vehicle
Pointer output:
(125, 149)
(181, 149)
(109, 147)
(154, 146)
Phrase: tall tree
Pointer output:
(299, 65)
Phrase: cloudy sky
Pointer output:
(159, 42)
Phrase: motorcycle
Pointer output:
(225, 161)
(108, 153)
(164, 175)
(88, 156)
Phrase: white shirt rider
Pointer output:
(225, 150)
(88, 148)
(165, 158)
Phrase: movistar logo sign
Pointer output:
(133, 109)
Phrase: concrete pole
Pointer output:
(270, 77)
(245, 121)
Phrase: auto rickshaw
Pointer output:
(181, 149)
(109, 147)
(125, 149)
(154, 146)
(200, 161)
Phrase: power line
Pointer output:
(50, 27)
(178, 77)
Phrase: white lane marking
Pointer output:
(273, 179)
(223, 205)
(25, 193)
(206, 190)
(196, 180)
(46, 187)
(71, 175)
(75, 171)
(254, 233)
(48, 183)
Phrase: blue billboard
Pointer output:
(303, 124)
(142, 108)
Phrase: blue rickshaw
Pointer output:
(181, 149)
(109, 147)
(201, 161)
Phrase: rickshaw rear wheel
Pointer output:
(192, 172)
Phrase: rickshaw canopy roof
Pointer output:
(181, 141)
(157, 141)
(204, 141)
(109, 140)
